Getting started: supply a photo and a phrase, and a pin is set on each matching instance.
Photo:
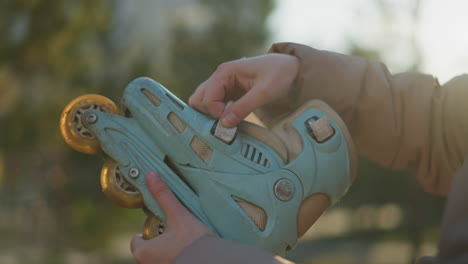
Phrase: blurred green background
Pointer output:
(52, 209)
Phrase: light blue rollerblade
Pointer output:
(254, 185)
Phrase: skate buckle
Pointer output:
(320, 129)
(226, 135)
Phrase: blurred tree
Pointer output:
(47, 54)
(52, 51)
(235, 29)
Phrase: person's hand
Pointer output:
(182, 228)
(252, 82)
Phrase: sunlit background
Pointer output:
(428, 33)
(51, 207)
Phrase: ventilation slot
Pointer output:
(253, 154)
(256, 214)
(155, 100)
(201, 149)
(178, 124)
(174, 101)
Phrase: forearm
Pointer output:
(401, 121)
(209, 249)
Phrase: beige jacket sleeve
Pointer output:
(453, 240)
(401, 121)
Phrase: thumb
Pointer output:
(170, 205)
(241, 108)
(136, 243)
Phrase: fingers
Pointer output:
(198, 101)
(214, 103)
(170, 205)
(253, 82)
(150, 251)
(182, 228)
(211, 96)
(241, 108)
(139, 248)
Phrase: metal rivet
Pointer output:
(90, 118)
(284, 189)
(133, 173)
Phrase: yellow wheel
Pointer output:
(153, 227)
(117, 189)
(74, 131)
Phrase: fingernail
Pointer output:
(229, 120)
(152, 176)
